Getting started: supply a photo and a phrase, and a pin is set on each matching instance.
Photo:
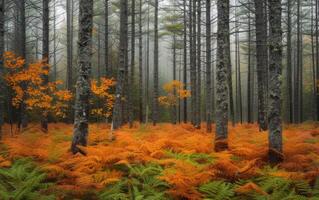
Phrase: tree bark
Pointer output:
(317, 56)
(23, 119)
(199, 67)
(193, 71)
(140, 63)
(99, 52)
(299, 82)
(117, 111)
(230, 80)
(174, 109)
(222, 71)
(185, 61)
(45, 57)
(106, 39)
(132, 75)
(238, 71)
(147, 76)
(55, 70)
(289, 64)
(191, 61)
(313, 62)
(208, 69)
(261, 49)
(69, 68)
(275, 67)
(83, 81)
(156, 81)
(250, 73)
(2, 88)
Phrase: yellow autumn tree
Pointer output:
(102, 100)
(27, 86)
(174, 92)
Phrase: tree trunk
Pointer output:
(238, 71)
(208, 69)
(99, 52)
(230, 80)
(55, 70)
(125, 109)
(199, 67)
(275, 67)
(313, 62)
(117, 111)
(2, 88)
(174, 109)
(266, 13)
(250, 77)
(289, 65)
(23, 120)
(83, 81)
(185, 62)
(214, 56)
(132, 75)
(69, 68)
(222, 71)
(299, 81)
(191, 60)
(317, 56)
(147, 77)
(261, 49)
(156, 81)
(106, 39)
(193, 70)
(140, 63)
(45, 57)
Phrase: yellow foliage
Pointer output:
(105, 100)
(27, 85)
(175, 91)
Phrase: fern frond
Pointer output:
(23, 181)
(217, 190)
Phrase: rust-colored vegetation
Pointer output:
(169, 162)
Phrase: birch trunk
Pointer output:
(81, 117)
(222, 72)
(275, 67)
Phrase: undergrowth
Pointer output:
(23, 181)
(159, 163)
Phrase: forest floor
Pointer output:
(162, 162)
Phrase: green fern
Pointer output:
(279, 188)
(23, 181)
(141, 183)
(197, 159)
(115, 191)
(217, 190)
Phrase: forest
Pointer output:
(159, 99)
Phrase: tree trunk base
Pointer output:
(221, 145)
(275, 156)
